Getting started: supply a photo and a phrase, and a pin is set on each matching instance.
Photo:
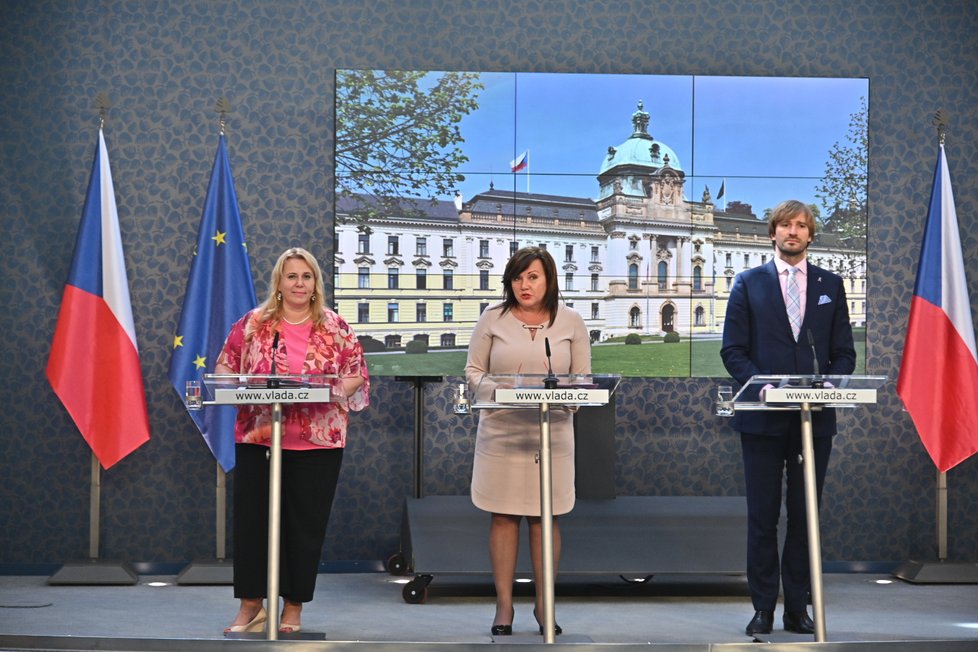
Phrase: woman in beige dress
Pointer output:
(509, 339)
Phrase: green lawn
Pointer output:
(649, 359)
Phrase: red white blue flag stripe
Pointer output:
(94, 362)
(520, 162)
(939, 372)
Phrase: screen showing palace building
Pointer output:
(650, 192)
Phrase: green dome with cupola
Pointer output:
(636, 160)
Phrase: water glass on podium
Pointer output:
(194, 398)
(724, 407)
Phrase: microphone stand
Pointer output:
(550, 382)
(817, 382)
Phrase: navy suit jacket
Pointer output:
(757, 339)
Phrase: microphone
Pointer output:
(550, 382)
(274, 383)
(816, 382)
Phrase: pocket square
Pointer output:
(822, 300)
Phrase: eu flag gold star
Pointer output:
(219, 238)
(200, 361)
(177, 341)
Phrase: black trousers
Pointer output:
(769, 461)
(308, 487)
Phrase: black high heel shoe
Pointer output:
(504, 630)
(557, 630)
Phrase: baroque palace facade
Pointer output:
(641, 258)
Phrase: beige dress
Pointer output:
(505, 475)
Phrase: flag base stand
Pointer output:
(937, 572)
(207, 572)
(94, 571)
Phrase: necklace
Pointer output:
(294, 323)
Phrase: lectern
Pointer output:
(539, 392)
(805, 394)
(274, 390)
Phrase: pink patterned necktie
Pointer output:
(793, 295)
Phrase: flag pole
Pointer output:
(92, 570)
(941, 571)
(204, 318)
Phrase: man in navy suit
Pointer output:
(773, 311)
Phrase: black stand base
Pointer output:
(211, 572)
(301, 635)
(937, 572)
(94, 571)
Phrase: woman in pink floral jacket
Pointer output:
(292, 332)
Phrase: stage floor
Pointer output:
(366, 611)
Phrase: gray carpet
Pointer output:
(699, 611)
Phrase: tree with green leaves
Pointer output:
(398, 139)
(843, 188)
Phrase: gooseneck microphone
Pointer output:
(550, 382)
(817, 382)
(274, 383)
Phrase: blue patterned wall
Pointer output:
(164, 65)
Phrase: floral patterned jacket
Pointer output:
(333, 349)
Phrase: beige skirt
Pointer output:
(505, 472)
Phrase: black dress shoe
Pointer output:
(798, 622)
(501, 630)
(761, 623)
(557, 630)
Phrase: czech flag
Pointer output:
(94, 362)
(520, 162)
(939, 372)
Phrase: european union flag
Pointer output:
(220, 290)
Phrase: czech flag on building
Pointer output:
(939, 372)
(94, 362)
(519, 163)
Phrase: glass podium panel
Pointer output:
(260, 389)
(528, 391)
(790, 392)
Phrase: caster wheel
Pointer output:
(396, 564)
(414, 594)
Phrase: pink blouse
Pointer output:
(332, 348)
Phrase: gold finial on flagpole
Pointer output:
(103, 105)
(223, 107)
(940, 121)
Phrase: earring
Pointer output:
(312, 299)
(278, 297)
